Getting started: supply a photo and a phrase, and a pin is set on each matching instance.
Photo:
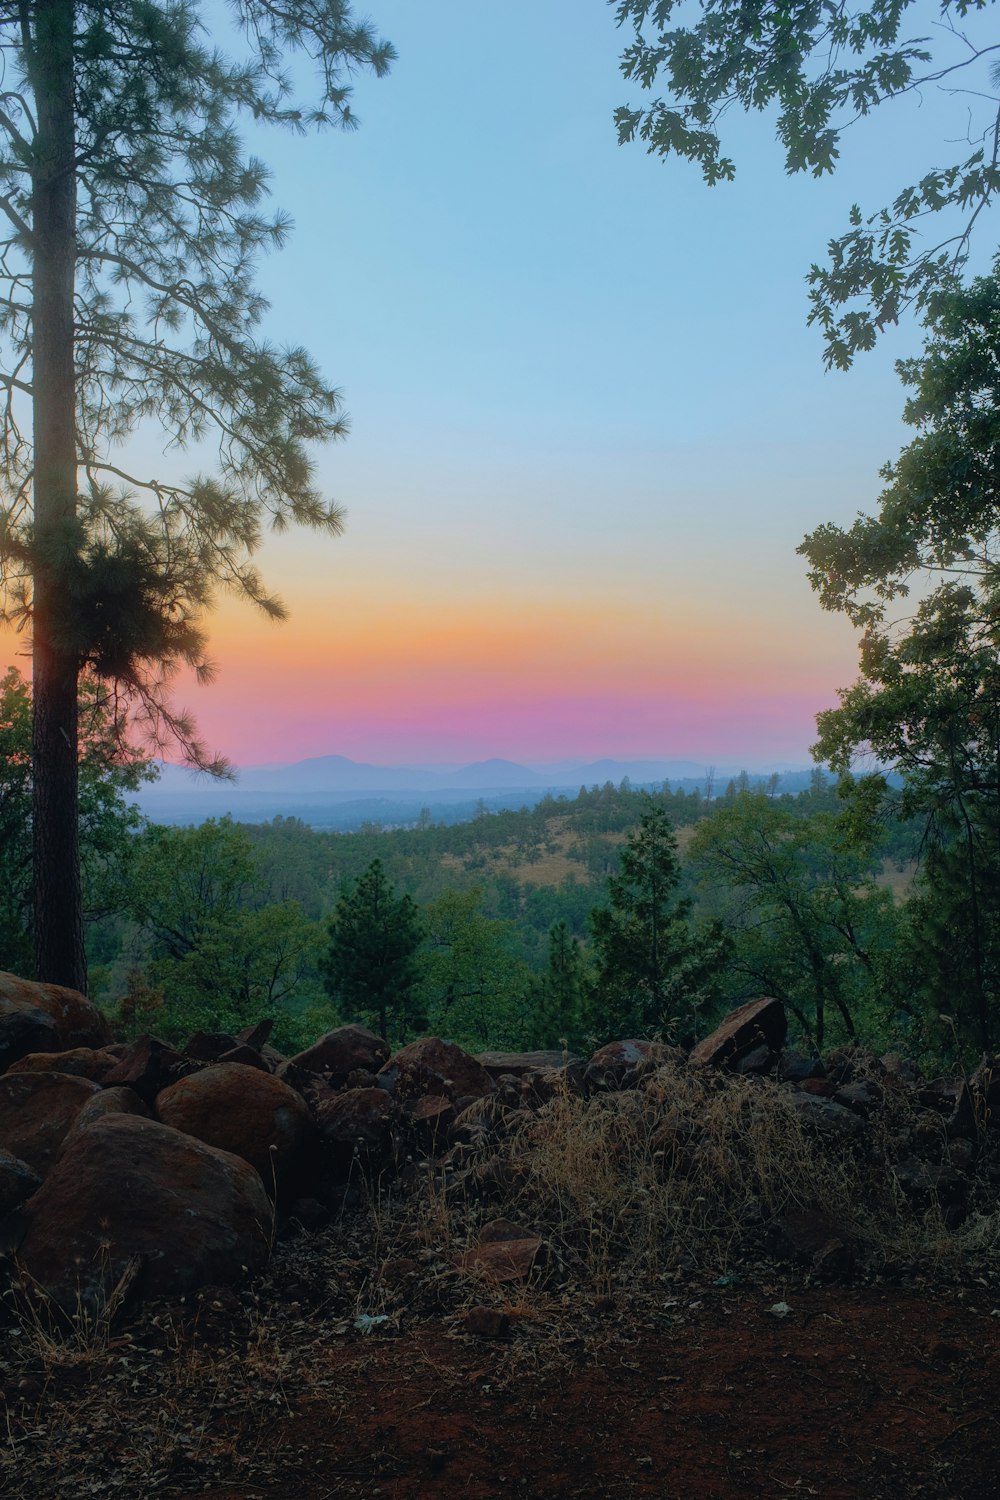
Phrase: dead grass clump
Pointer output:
(694, 1169)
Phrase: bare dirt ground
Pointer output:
(684, 1388)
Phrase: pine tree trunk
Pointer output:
(58, 914)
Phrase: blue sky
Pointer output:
(585, 403)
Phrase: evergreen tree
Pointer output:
(133, 222)
(559, 993)
(370, 967)
(652, 964)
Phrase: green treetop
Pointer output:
(652, 967)
(370, 966)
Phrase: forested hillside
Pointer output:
(616, 910)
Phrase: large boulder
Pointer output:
(133, 1197)
(37, 1111)
(45, 1018)
(244, 1111)
(341, 1052)
(432, 1066)
(760, 1027)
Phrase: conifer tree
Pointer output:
(134, 218)
(370, 968)
(652, 964)
(560, 992)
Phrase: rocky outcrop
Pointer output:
(45, 1018)
(244, 1111)
(133, 1197)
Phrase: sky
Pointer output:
(589, 423)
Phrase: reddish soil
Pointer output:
(874, 1391)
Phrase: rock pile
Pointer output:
(165, 1169)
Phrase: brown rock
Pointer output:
(45, 1018)
(148, 1067)
(620, 1065)
(116, 1101)
(430, 1114)
(256, 1036)
(826, 1116)
(133, 1196)
(37, 1110)
(17, 1182)
(486, 1322)
(340, 1051)
(504, 1258)
(208, 1046)
(82, 1062)
(355, 1117)
(243, 1111)
(520, 1063)
(758, 1023)
(432, 1066)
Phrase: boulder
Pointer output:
(45, 1018)
(37, 1110)
(620, 1065)
(432, 1066)
(342, 1050)
(17, 1182)
(355, 1117)
(83, 1062)
(134, 1197)
(756, 1024)
(148, 1066)
(243, 1111)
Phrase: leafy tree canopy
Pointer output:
(820, 68)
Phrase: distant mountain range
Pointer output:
(334, 792)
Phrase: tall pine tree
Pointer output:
(133, 223)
